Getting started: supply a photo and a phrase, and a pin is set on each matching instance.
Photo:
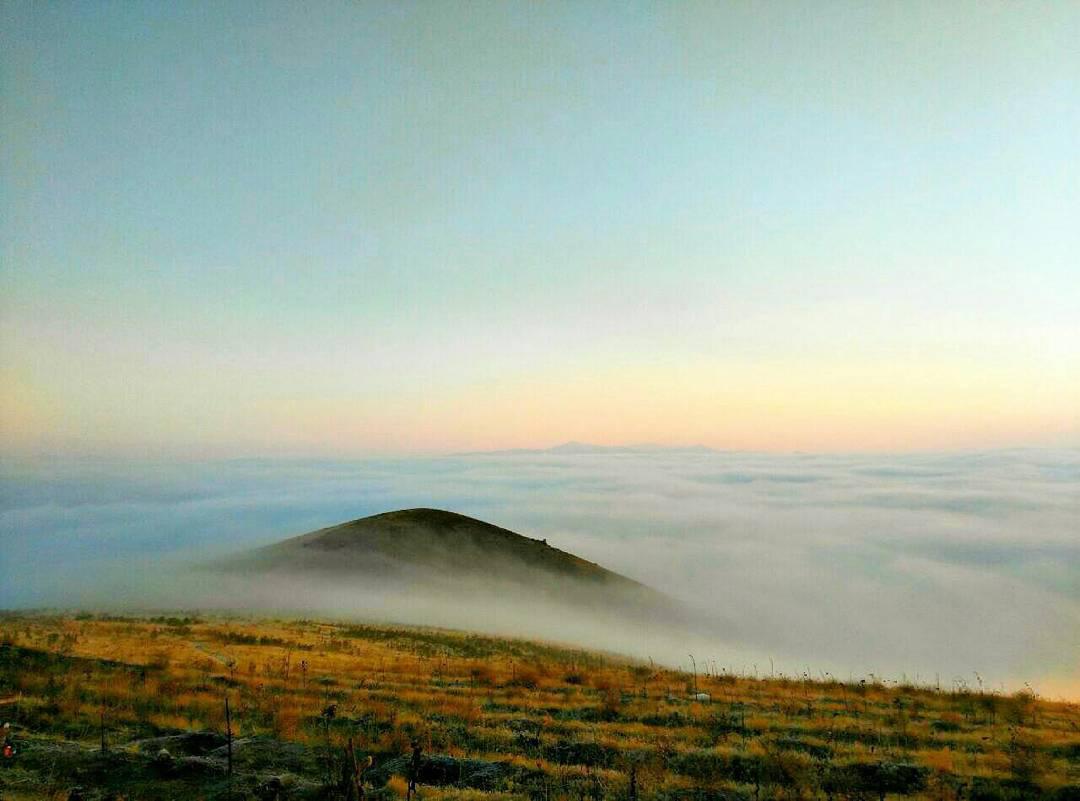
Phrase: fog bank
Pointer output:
(916, 565)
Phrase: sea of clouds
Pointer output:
(932, 566)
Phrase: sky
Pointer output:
(938, 568)
(344, 229)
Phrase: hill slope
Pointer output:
(434, 549)
(552, 721)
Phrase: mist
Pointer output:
(925, 566)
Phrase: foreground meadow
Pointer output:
(105, 707)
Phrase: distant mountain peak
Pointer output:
(574, 446)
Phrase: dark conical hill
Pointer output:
(445, 545)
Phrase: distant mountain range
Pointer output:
(574, 448)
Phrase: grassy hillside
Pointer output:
(446, 559)
(438, 540)
(482, 719)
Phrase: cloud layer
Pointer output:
(917, 565)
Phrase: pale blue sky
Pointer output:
(353, 227)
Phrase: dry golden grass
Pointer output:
(574, 722)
